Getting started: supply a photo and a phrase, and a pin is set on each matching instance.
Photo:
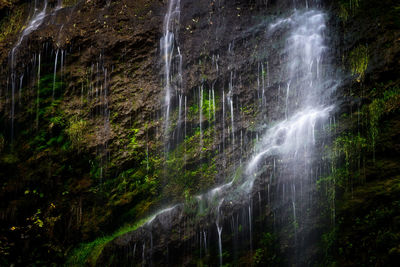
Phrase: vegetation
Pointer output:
(87, 253)
(77, 130)
(67, 3)
(268, 251)
(12, 24)
(361, 184)
(359, 61)
(195, 150)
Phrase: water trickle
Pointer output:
(213, 103)
(263, 85)
(180, 96)
(287, 100)
(151, 247)
(223, 124)
(201, 115)
(258, 81)
(230, 98)
(250, 229)
(209, 103)
(37, 95)
(219, 230)
(134, 251)
(170, 33)
(143, 254)
(21, 78)
(12, 104)
(55, 72)
(205, 241)
(185, 114)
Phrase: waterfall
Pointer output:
(285, 148)
(294, 136)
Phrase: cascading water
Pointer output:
(295, 136)
(293, 140)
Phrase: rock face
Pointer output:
(86, 145)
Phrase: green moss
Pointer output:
(12, 24)
(193, 111)
(133, 144)
(191, 166)
(88, 253)
(343, 12)
(207, 107)
(249, 111)
(388, 102)
(2, 142)
(67, 3)
(358, 60)
(348, 8)
(77, 132)
(349, 145)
